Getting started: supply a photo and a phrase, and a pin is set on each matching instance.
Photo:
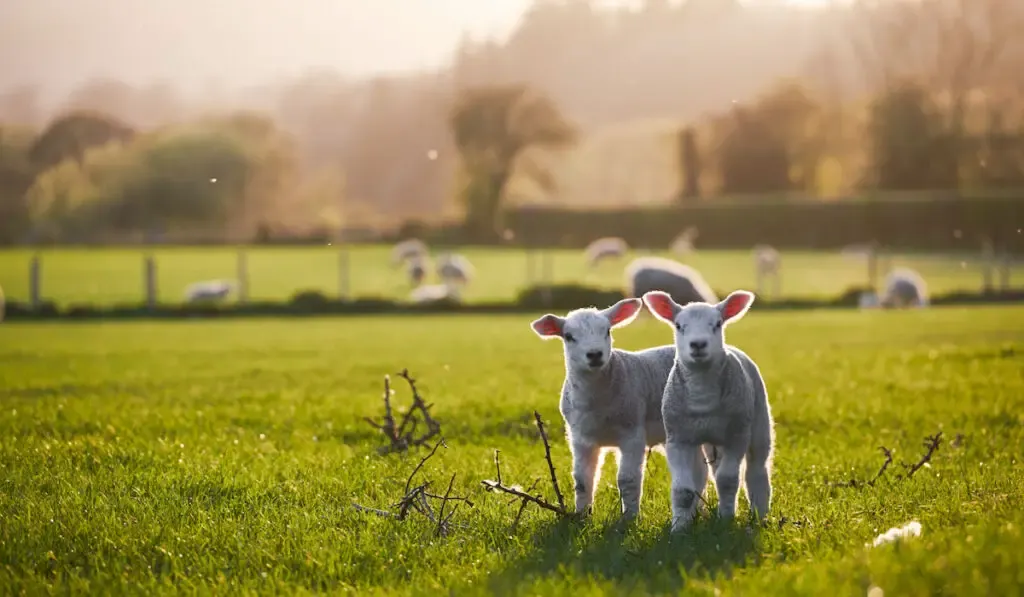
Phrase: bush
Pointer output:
(565, 297)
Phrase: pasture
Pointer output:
(115, 276)
(224, 456)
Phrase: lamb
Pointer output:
(454, 268)
(434, 292)
(408, 249)
(417, 268)
(905, 287)
(767, 263)
(683, 244)
(209, 290)
(714, 395)
(605, 248)
(682, 282)
(611, 400)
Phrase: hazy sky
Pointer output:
(58, 43)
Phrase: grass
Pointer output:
(208, 457)
(108, 276)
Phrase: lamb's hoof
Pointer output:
(680, 525)
(582, 515)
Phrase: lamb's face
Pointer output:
(699, 335)
(587, 338)
(699, 327)
(587, 333)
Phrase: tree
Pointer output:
(70, 135)
(16, 176)
(492, 127)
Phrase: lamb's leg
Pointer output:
(585, 457)
(757, 480)
(727, 478)
(632, 455)
(685, 489)
(700, 473)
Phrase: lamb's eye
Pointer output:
(717, 326)
(679, 328)
(569, 338)
(608, 333)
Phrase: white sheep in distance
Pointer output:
(611, 399)
(408, 249)
(430, 293)
(682, 282)
(454, 268)
(767, 264)
(905, 287)
(714, 395)
(416, 268)
(605, 248)
(683, 244)
(208, 291)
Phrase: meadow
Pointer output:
(115, 276)
(225, 456)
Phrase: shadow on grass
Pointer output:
(652, 559)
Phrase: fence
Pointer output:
(154, 276)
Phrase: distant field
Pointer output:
(220, 457)
(106, 276)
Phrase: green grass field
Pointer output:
(213, 457)
(108, 276)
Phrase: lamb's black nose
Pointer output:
(594, 356)
(698, 344)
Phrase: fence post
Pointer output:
(873, 266)
(149, 275)
(344, 273)
(34, 281)
(547, 277)
(243, 275)
(988, 263)
(1004, 271)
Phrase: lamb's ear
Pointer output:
(548, 326)
(735, 305)
(662, 305)
(623, 312)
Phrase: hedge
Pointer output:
(530, 301)
(910, 222)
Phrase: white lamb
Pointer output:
(905, 287)
(453, 268)
(683, 244)
(767, 263)
(682, 282)
(208, 291)
(605, 248)
(434, 292)
(408, 249)
(714, 395)
(416, 268)
(611, 400)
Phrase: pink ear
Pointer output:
(624, 311)
(661, 304)
(547, 326)
(736, 304)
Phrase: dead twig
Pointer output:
(888, 460)
(418, 499)
(931, 444)
(528, 496)
(402, 435)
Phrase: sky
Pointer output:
(56, 44)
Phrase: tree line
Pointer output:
(943, 112)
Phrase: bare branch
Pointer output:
(888, 460)
(931, 444)
(402, 436)
(547, 456)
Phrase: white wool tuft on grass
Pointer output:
(911, 529)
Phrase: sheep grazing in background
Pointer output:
(416, 268)
(682, 282)
(435, 292)
(453, 268)
(767, 264)
(208, 291)
(905, 287)
(611, 399)
(714, 395)
(684, 243)
(408, 249)
(605, 248)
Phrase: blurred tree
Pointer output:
(70, 135)
(491, 127)
(689, 162)
(753, 157)
(909, 147)
(16, 176)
